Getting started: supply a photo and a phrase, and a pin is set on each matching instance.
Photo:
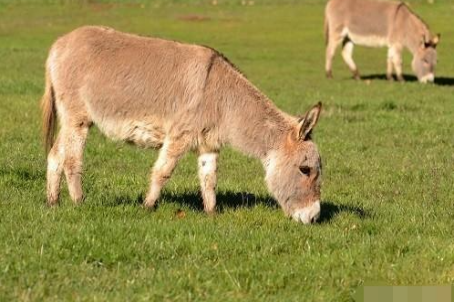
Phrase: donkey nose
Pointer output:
(428, 78)
(308, 214)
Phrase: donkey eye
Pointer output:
(305, 170)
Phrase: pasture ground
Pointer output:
(387, 149)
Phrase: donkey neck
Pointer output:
(416, 31)
(261, 127)
(251, 122)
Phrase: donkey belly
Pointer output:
(123, 114)
(143, 133)
(366, 40)
(121, 122)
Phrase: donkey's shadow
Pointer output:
(330, 210)
(224, 200)
(241, 200)
(440, 81)
(227, 200)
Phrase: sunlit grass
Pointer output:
(387, 149)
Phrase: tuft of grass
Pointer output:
(387, 148)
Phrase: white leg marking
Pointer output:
(52, 164)
(207, 163)
(207, 174)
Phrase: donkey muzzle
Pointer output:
(307, 215)
(428, 78)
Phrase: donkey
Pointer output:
(177, 97)
(376, 23)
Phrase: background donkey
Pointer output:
(378, 23)
(176, 97)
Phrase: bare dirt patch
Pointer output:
(193, 18)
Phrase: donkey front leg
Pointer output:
(169, 154)
(395, 59)
(347, 54)
(333, 43)
(389, 65)
(207, 174)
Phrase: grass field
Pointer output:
(387, 149)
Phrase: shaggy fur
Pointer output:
(377, 23)
(177, 97)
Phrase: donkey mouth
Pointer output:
(307, 215)
(428, 78)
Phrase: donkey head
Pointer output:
(293, 171)
(425, 60)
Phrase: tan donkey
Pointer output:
(377, 23)
(177, 97)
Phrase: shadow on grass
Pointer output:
(224, 200)
(21, 174)
(127, 200)
(441, 81)
(241, 200)
(444, 81)
(329, 210)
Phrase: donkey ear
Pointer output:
(436, 40)
(425, 41)
(309, 121)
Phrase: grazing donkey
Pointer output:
(377, 23)
(177, 97)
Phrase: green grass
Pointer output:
(387, 148)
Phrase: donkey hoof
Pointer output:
(356, 75)
(329, 74)
(52, 204)
(210, 213)
(400, 79)
(390, 78)
(151, 206)
(52, 201)
(79, 201)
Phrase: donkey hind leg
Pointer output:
(66, 155)
(395, 59)
(55, 160)
(347, 54)
(75, 138)
(169, 154)
(207, 163)
(333, 42)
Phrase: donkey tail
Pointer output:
(49, 113)
(326, 28)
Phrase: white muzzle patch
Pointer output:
(427, 78)
(308, 214)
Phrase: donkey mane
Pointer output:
(403, 4)
(218, 54)
(399, 6)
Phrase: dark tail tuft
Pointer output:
(49, 114)
(326, 28)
